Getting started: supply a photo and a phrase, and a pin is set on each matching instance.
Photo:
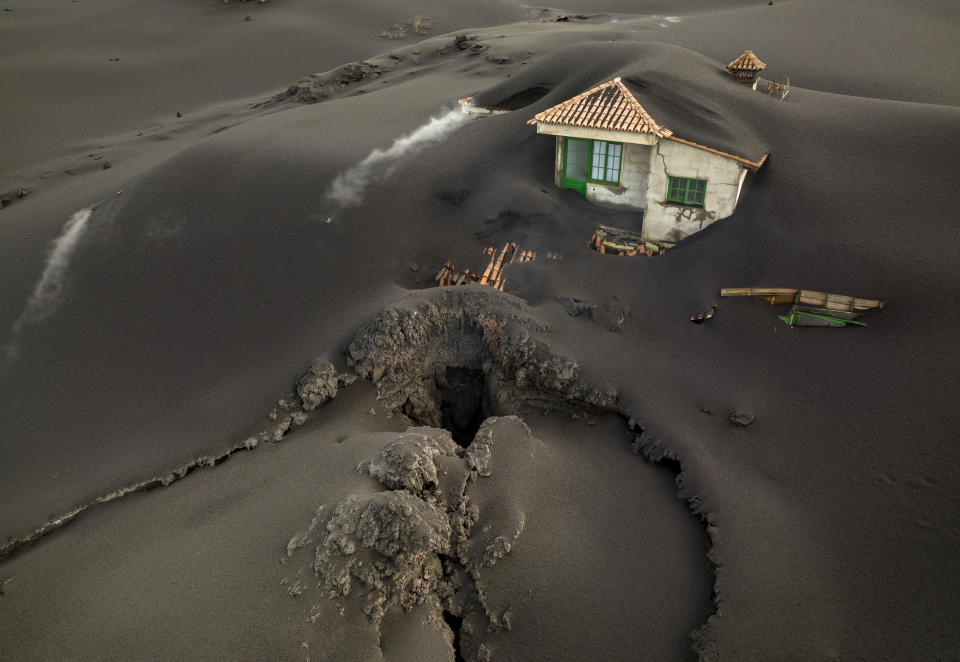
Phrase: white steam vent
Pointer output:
(48, 293)
(348, 187)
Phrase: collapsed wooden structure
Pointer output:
(493, 275)
(617, 241)
(810, 308)
(784, 295)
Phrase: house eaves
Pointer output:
(612, 107)
(752, 166)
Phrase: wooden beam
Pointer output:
(757, 291)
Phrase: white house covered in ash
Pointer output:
(612, 151)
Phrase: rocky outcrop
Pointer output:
(409, 462)
(413, 544)
(389, 542)
(319, 87)
(317, 385)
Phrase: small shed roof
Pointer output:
(747, 62)
(608, 106)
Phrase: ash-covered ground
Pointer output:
(241, 422)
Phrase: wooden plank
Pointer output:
(837, 301)
(442, 271)
(779, 300)
(498, 267)
(757, 291)
(784, 295)
(841, 314)
(486, 272)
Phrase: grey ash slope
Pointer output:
(833, 517)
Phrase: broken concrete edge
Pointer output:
(296, 418)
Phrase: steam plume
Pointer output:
(48, 292)
(348, 187)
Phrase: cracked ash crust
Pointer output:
(404, 352)
(401, 350)
(414, 543)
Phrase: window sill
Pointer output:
(668, 203)
(616, 187)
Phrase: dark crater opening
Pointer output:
(463, 401)
(455, 623)
(465, 358)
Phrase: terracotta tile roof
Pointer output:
(747, 62)
(613, 107)
(608, 106)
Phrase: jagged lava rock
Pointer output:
(409, 461)
(389, 542)
(318, 385)
(470, 328)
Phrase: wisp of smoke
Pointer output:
(48, 292)
(348, 186)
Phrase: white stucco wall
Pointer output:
(663, 220)
(645, 175)
(634, 171)
(558, 164)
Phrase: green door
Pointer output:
(576, 154)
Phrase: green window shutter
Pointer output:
(675, 191)
(687, 191)
(576, 156)
(614, 155)
(598, 168)
(695, 191)
(605, 161)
